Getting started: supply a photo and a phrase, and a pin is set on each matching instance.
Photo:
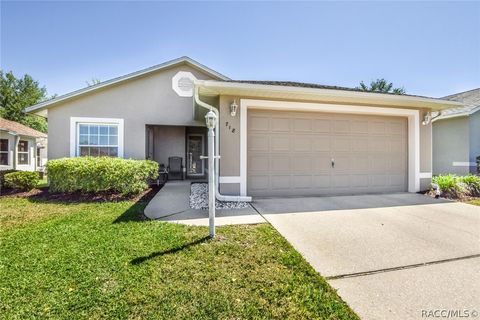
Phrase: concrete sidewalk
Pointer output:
(172, 204)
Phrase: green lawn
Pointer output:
(100, 260)
(474, 202)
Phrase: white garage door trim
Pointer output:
(413, 130)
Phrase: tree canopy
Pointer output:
(380, 85)
(18, 93)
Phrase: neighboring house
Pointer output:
(21, 147)
(456, 136)
(285, 139)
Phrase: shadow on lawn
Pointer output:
(152, 255)
(135, 212)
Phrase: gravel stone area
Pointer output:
(199, 199)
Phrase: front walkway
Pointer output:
(172, 204)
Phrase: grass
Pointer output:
(475, 202)
(99, 260)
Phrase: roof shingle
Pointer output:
(20, 129)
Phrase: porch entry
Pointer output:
(195, 149)
(186, 143)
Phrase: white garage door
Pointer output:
(307, 153)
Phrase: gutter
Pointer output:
(219, 196)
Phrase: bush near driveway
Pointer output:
(22, 180)
(100, 174)
(452, 186)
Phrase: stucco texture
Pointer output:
(147, 100)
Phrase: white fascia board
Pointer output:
(132, 75)
(216, 87)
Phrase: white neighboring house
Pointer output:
(21, 148)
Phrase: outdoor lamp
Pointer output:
(211, 119)
(233, 108)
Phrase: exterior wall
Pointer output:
(230, 147)
(474, 139)
(11, 157)
(168, 141)
(140, 102)
(450, 144)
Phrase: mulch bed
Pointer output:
(44, 195)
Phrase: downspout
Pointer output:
(15, 151)
(219, 196)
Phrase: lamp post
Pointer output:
(211, 121)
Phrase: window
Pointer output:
(97, 140)
(4, 152)
(23, 154)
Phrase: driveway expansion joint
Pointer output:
(411, 266)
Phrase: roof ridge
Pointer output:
(455, 94)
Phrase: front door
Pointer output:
(195, 149)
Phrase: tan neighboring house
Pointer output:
(21, 148)
(275, 138)
(456, 136)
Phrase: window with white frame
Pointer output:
(4, 152)
(23, 152)
(97, 139)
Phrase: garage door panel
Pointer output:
(322, 125)
(258, 143)
(302, 125)
(302, 163)
(302, 143)
(322, 182)
(322, 143)
(280, 124)
(280, 182)
(341, 143)
(341, 126)
(302, 181)
(259, 123)
(280, 163)
(290, 153)
(280, 143)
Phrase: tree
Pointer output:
(380, 85)
(18, 93)
(92, 82)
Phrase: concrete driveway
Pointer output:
(397, 256)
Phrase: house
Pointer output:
(456, 136)
(275, 138)
(21, 148)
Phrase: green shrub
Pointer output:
(472, 184)
(2, 176)
(98, 174)
(22, 180)
(447, 183)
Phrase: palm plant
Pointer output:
(381, 85)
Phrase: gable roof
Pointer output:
(318, 86)
(470, 100)
(179, 61)
(20, 129)
(308, 91)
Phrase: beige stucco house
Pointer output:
(275, 138)
(21, 148)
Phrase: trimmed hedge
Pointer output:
(99, 174)
(21, 180)
(453, 186)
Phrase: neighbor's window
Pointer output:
(23, 154)
(97, 140)
(4, 152)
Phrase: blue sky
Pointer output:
(430, 48)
